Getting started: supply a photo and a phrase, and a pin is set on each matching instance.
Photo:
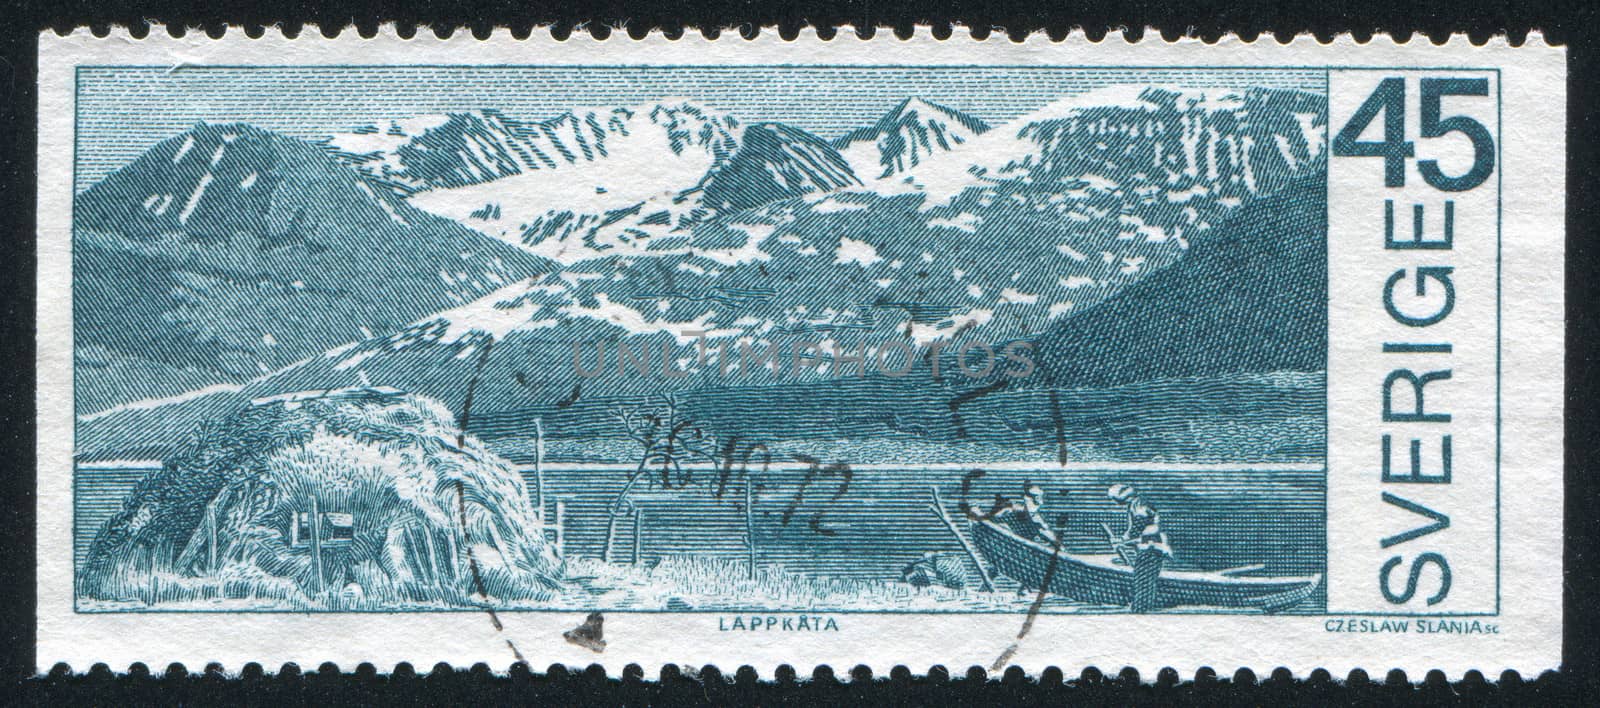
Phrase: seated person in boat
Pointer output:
(1025, 517)
(1144, 522)
(1143, 545)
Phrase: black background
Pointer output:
(1573, 24)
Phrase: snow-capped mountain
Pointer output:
(1170, 142)
(774, 161)
(230, 251)
(1007, 234)
(460, 149)
(564, 188)
(1015, 233)
(1262, 272)
(1249, 297)
(905, 137)
(593, 184)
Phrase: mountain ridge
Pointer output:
(1077, 358)
(228, 250)
(904, 137)
(1018, 245)
(1250, 298)
(464, 148)
(775, 161)
(602, 206)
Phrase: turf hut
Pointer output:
(354, 498)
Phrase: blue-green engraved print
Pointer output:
(690, 339)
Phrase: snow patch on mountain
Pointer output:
(228, 251)
(495, 315)
(853, 251)
(593, 183)
(908, 135)
(1020, 227)
(1210, 137)
(376, 149)
(963, 222)
(830, 205)
(460, 149)
(775, 161)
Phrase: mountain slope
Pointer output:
(1180, 145)
(1251, 297)
(973, 244)
(616, 185)
(1189, 363)
(461, 149)
(905, 137)
(774, 161)
(230, 251)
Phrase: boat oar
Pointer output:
(1241, 570)
(938, 508)
(1118, 544)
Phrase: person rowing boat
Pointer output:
(1025, 516)
(1144, 541)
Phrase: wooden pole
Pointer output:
(455, 554)
(561, 528)
(938, 508)
(638, 528)
(618, 507)
(236, 549)
(538, 465)
(750, 525)
(472, 388)
(433, 563)
(211, 545)
(316, 540)
(611, 532)
(151, 594)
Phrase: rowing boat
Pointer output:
(1101, 579)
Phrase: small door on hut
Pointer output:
(338, 529)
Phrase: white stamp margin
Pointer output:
(1533, 172)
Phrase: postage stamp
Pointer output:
(763, 352)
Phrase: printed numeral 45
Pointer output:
(1390, 100)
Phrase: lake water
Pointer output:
(1217, 516)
